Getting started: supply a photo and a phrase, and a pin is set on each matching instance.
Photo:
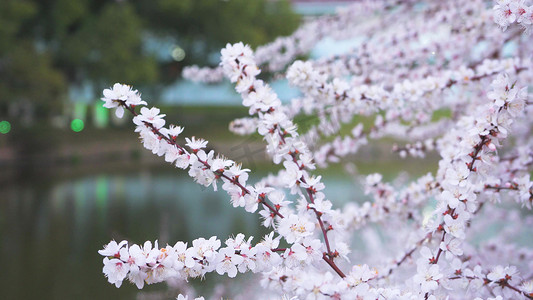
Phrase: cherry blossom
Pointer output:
(438, 78)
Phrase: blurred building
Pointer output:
(318, 7)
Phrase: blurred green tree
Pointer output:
(29, 83)
(201, 28)
(47, 46)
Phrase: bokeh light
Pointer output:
(178, 54)
(5, 127)
(100, 116)
(77, 125)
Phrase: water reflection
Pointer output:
(50, 230)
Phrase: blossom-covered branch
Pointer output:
(426, 76)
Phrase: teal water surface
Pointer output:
(50, 231)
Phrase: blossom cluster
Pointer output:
(204, 167)
(284, 146)
(464, 172)
(435, 77)
(507, 12)
(140, 264)
(276, 55)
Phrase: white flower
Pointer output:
(115, 270)
(237, 60)
(313, 248)
(248, 254)
(455, 227)
(265, 257)
(236, 51)
(150, 116)
(113, 249)
(278, 199)
(427, 277)
(245, 85)
(196, 144)
(134, 99)
(301, 73)
(118, 96)
(134, 256)
(174, 131)
(268, 217)
(312, 183)
(360, 274)
(457, 175)
(295, 255)
(138, 277)
(220, 164)
(183, 161)
(373, 179)
(527, 287)
(227, 262)
(450, 199)
(452, 247)
(500, 273)
(504, 92)
(503, 15)
(295, 227)
(181, 297)
(250, 201)
(427, 256)
(172, 153)
(206, 249)
(151, 141)
(184, 255)
(292, 173)
(524, 188)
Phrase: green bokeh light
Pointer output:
(100, 116)
(77, 125)
(5, 127)
(178, 54)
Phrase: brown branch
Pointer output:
(332, 264)
(234, 181)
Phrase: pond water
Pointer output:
(51, 230)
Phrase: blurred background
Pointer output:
(73, 177)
